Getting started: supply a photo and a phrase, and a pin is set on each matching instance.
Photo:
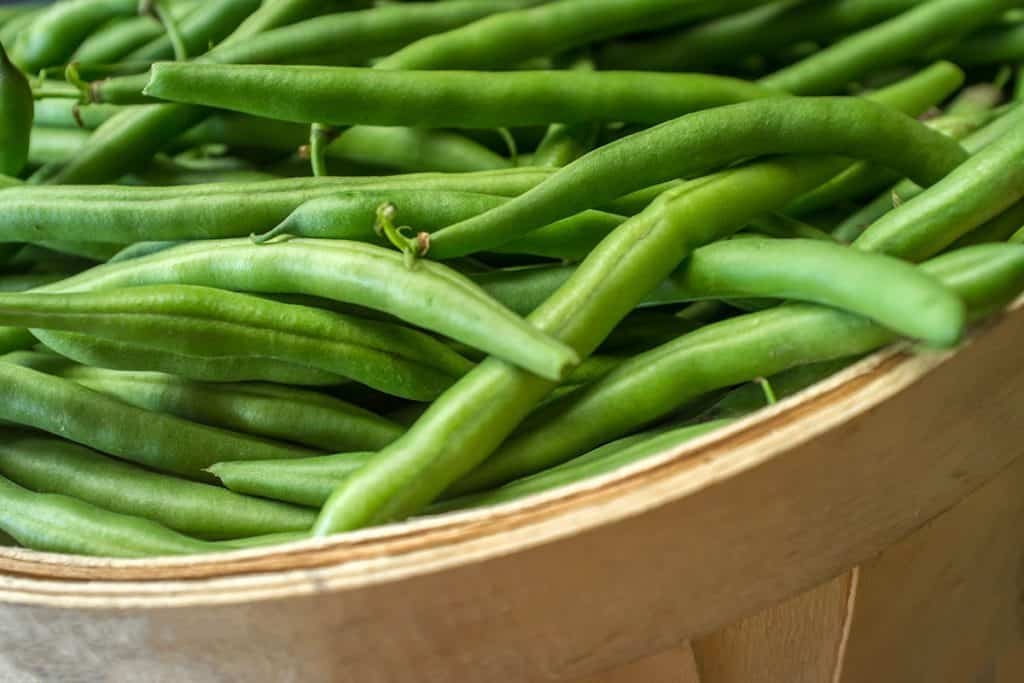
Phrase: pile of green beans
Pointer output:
(284, 269)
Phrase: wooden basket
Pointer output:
(867, 530)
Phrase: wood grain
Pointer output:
(941, 605)
(565, 585)
(798, 641)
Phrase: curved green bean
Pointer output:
(49, 465)
(983, 187)
(699, 142)
(305, 481)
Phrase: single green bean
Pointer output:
(461, 99)
(430, 295)
(889, 43)
(205, 322)
(983, 187)
(16, 113)
(66, 113)
(699, 142)
(49, 465)
(163, 442)
(740, 349)
(10, 31)
(306, 481)
(994, 45)
(112, 42)
(54, 144)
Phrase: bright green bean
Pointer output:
(54, 144)
(460, 99)
(998, 229)
(699, 142)
(983, 187)
(740, 349)
(48, 465)
(306, 481)
(890, 43)
(163, 442)
(201, 321)
(275, 13)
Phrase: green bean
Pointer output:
(429, 295)
(702, 141)
(16, 113)
(65, 113)
(359, 35)
(275, 13)
(112, 42)
(54, 144)
(750, 397)
(781, 225)
(994, 45)
(740, 349)
(277, 412)
(466, 424)
(128, 215)
(405, 149)
(349, 215)
(607, 458)
(10, 31)
(200, 321)
(886, 44)
(854, 225)
(905, 301)
(998, 229)
(56, 523)
(461, 99)
(48, 465)
(759, 31)
(92, 251)
(863, 179)
(13, 11)
(60, 29)
(119, 355)
(21, 283)
(1017, 237)
(983, 187)
(163, 442)
(207, 25)
(306, 481)
(509, 38)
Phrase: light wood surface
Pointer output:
(798, 641)
(942, 604)
(562, 586)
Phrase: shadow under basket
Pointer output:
(866, 530)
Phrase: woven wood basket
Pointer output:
(868, 530)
